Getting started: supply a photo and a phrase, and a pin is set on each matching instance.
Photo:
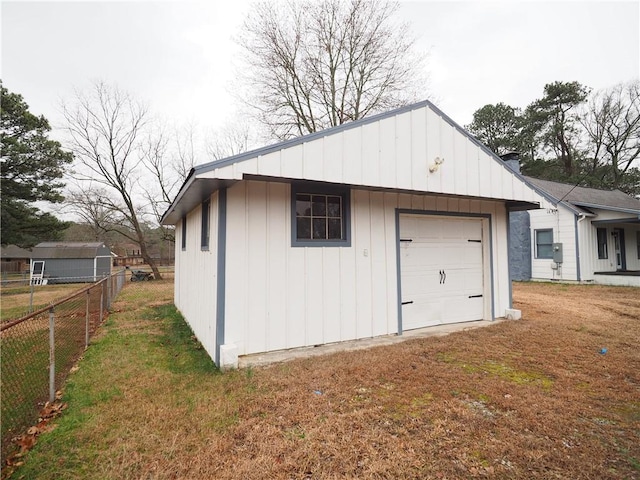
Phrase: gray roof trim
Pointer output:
(225, 162)
(608, 207)
(623, 220)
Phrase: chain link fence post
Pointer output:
(52, 356)
(86, 320)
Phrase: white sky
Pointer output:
(178, 55)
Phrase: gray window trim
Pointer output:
(183, 233)
(322, 189)
(535, 242)
(205, 225)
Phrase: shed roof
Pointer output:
(68, 250)
(585, 198)
(342, 155)
(14, 251)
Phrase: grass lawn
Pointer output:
(15, 300)
(523, 399)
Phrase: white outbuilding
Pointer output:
(394, 222)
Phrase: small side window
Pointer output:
(544, 243)
(204, 239)
(638, 242)
(602, 243)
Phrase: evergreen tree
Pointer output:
(32, 166)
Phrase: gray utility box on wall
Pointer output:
(557, 252)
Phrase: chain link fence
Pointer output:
(39, 348)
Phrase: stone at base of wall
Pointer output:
(512, 314)
(228, 357)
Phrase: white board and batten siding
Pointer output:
(279, 296)
(393, 153)
(589, 244)
(562, 222)
(195, 292)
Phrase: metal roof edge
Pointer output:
(207, 167)
(183, 188)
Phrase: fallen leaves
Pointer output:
(27, 440)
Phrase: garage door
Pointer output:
(441, 270)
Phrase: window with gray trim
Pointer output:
(320, 216)
(544, 243)
(183, 234)
(601, 234)
(204, 240)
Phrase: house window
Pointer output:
(320, 216)
(544, 243)
(204, 239)
(602, 243)
(183, 235)
(638, 243)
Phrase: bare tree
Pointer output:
(317, 64)
(612, 123)
(105, 127)
(167, 160)
(232, 139)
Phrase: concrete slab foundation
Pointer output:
(260, 359)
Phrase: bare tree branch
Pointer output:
(318, 64)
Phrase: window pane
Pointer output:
(335, 228)
(602, 243)
(545, 251)
(334, 206)
(319, 228)
(544, 243)
(303, 205)
(545, 236)
(304, 228)
(319, 206)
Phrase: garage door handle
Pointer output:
(475, 296)
(407, 303)
(443, 277)
(406, 240)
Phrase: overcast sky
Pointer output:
(178, 55)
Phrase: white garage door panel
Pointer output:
(441, 270)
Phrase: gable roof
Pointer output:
(13, 251)
(404, 142)
(584, 198)
(50, 250)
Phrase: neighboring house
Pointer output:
(70, 262)
(127, 254)
(14, 259)
(390, 223)
(587, 235)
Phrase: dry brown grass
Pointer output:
(524, 399)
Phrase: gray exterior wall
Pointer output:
(71, 270)
(520, 246)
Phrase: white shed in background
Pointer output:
(392, 222)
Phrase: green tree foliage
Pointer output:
(32, 167)
(499, 127)
(555, 118)
(571, 135)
